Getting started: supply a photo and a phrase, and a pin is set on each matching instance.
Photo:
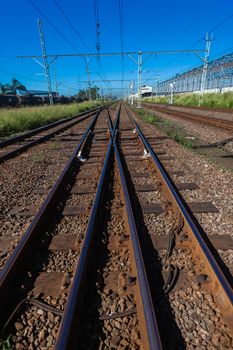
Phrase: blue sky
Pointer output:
(147, 25)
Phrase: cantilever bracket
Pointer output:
(132, 58)
(37, 61)
(202, 59)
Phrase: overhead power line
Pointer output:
(53, 25)
(71, 24)
(59, 32)
(125, 53)
(97, 24)
(213, 29)
(80, 38)
(120, 5)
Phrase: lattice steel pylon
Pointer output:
(45, 65)
(205, 66)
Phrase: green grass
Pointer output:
(6, 344)
(168, 127)
(16, 120)
(224, 100)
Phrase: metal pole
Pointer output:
(205, 67)
(89, 79)
(89, 86)
(157, 87)
(139, 101)
(171, 95)
(55, 80)
(132, 93)
(46, 65)
(221, 75)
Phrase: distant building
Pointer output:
(146, 91)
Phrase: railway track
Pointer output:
(26, 180)
(16, 145)
(213, 121)
(100, 277)
(203, 108)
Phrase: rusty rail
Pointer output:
(217, 278)
(72, 315)
(18, 259)
(199, 108)
(44, 138)
(18, 138)
(145, 310)
(217, 122)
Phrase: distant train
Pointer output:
(32, 100)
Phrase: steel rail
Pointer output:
(152, 338)
(43, 138)
(17, 260)
(223, 289)
(197, 108)
(72, 315)
(219, 123)
(112, 127)
(11, 140)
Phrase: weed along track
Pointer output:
(194, 115)
(113, 257)
(26, 180)
(14, 146)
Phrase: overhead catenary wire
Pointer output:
(58, 31)
(98, 45)
(71, 25)
(79, 37)
(121, 18)
(53, 25)
(97, 27)
(213, 29)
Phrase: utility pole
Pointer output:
(171, 95)
(132, 93)
(157, 88)
(46, 65)
(139, 100)
(205, 66)
(89, 79)
(55, 80)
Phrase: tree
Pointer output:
(94, 93)
(91, 93)
(16, 85)
(82, 94)
(6, 89)
(11, 88)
